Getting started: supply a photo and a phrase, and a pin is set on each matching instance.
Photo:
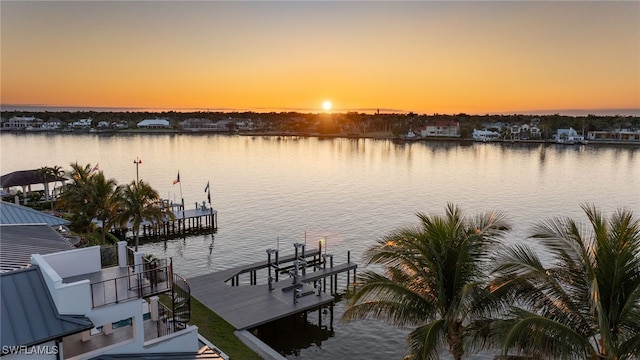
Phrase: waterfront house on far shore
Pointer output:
(485, 135)
(81, 124)
(524, 132)
(157, 123)
(440, 128)
(22, 123)
(198, 124)
(615, 135)
(244, 124)
(568, 136)
(52, 124)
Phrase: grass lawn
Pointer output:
(219, 332)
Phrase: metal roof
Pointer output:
(19, 242)
(11, 213)
(29, 315)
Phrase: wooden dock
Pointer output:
(250, 305)
(190, 221)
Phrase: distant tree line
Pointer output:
(351, 122)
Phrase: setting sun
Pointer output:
(276, 51)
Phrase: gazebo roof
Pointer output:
(26, 177)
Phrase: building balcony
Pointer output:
(84, 277)
(115, 284)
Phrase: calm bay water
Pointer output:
(350, 191)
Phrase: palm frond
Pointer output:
(382, 298)
(532, 334)
(425, 342)
(585, 302)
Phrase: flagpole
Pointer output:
(181, 198)
(210, 207)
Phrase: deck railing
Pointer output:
(181, 295)
(130, 256)
(109, 256)
(165, 323)
(176, 318)
(150, 279)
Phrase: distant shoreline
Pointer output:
(373, 136)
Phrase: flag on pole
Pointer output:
(207, 190)
(177, 180)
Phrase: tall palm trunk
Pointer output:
(135, 236)
(104, 232)
(454, 340)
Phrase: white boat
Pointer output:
(410, 136)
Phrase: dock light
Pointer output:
(323, 243)
(137, 162)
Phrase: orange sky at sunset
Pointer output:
(421, 56)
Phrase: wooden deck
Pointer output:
(248, 306)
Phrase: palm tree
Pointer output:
(57, 173)
(434, 272)
(104, 199)
(584, 304)
(141, 203)
(76, 194)
(80, 174)
(46, 174)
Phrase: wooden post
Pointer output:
(277, 266)
(331, 318)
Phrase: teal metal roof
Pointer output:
(29, 315)
(11, 213)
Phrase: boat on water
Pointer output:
(410, 136)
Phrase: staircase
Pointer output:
(181, 296)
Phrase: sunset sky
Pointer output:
(396, 56)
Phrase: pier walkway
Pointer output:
(250, 305)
